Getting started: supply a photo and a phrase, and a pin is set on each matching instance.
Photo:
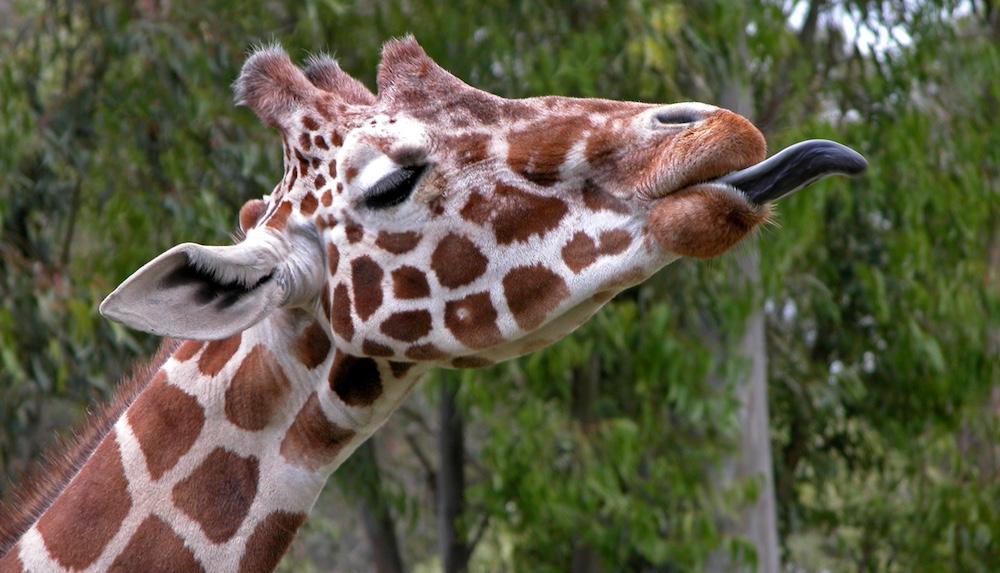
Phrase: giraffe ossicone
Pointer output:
(432, 224)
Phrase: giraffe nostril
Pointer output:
(677, 117)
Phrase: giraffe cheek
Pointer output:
(703, 222)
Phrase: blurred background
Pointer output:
(824, 398)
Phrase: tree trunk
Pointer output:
(451, 481)
(757, 522)
(375, 514)
(584, 392)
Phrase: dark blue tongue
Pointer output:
(795, 167)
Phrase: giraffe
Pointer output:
(430, 225)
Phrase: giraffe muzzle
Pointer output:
(794, 168)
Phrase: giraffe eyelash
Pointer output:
(394, 188)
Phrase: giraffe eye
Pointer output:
(394, 188)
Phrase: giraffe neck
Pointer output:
(219, 460)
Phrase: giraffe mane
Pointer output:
(46, 478)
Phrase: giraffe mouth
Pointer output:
(794, 168)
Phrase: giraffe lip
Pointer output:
(794, 168)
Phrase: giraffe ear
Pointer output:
(197, 292)
(407, 73)
(325, 73)
(273, 87)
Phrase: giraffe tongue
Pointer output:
(793, 168)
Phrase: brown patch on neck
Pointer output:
(45, 480)
(218, 353)
(219, 492)
(156, 548)
(313, 441)
(166, 422)
(269, 541)
(90, 511)
(355, 380)
(256, 391)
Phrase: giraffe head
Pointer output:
(434, 221)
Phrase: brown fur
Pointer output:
(273, 87)
(155, 548)
(614, 242)
(305, 142)
(332, 258)
(313, 441)
(280, 217)
(424, 352)
(219, 492)
(269, 541)
(218, 353)
(410, 283)
(532, 293)
(597, 199)
(312, 346)
(407, 74)
(354, 231)
(355, 380)
(309, 203)
(371, 348)
(473, 320)
(477, 209)
(366, 276)
(45, 480)
(404, 61)
(724, 142)
(11, 563)
(457, 261)
(98, 496)
(580, 252)
(166, 422)
(399, 369)
(517, 214)
(188, 350)
(341, 320)
(407, 325)
(324, 301)
(702, 222)
(257, 390)
(538, 151)
(324, 72)
(250, 213)
(397, 243)
(470, 148)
